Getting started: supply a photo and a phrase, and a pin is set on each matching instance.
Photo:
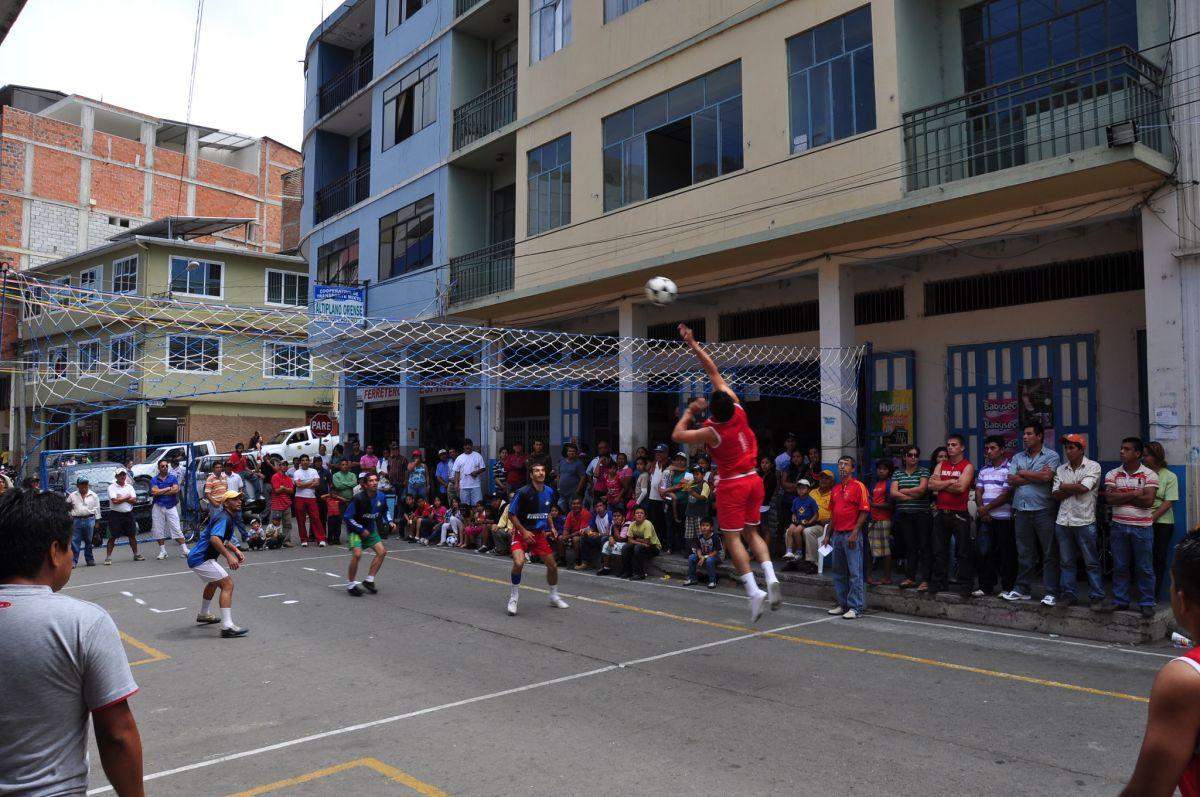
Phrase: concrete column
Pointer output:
(104, 430)
(631, 412)
(349, 418)
(87, 120)
(141, 425)
(409, 420)
(72, 432)
(148, 137)
(835, 291)
(193, 155)
(485, 406)
(1168, 391)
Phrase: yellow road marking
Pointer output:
(153, 653)
(387, 771)
(887, 654)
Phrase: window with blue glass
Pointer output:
(831, 81)
(616, 8)
(685, 135)
(1005, 39)
(550, 185)
(406, 239)
(549, 28)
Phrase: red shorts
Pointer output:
(739, 502)
(540, 545)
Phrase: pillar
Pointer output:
(565, 409)
(1167, 395)
(87, 121)
(485, 405)
(192, 155)
(349, 417)
(410, 419)
(141, 425)
(835, 291)
(631, 414)
(104, 430)
(72, 431)
(148, 138)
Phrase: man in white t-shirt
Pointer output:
(466, 472)
(63, 663)
(307, 479)
(121, 498)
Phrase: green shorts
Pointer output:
(369, 541)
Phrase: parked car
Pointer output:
(57, 463)
(297, 442)
(99, 476)
(200, 448)
(255, 502)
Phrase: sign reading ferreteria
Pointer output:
(340, 301)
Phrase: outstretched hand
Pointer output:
(686, 333)
(697, 406)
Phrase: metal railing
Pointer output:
(1066, 108)
(482, 272)
(345, 84)
(344, 192)
(463, 6)
(487, 113)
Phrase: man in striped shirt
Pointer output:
(997, 541)
(1130, 491)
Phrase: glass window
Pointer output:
(91, 279)
(194, 354)
(550, 185)
(400, 10)
(549, 29)
(831, 81)
(196, 277)
(122, 351)
(125, 275)
(615, 8)
(287, 361)
(406, 239)
(59, 363)
(410, 105)
(337, 261)
(692, 132)
(287, 288)
(89, 357)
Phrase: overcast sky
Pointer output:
(138, 54)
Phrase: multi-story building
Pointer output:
(999, 196)
(94, 379)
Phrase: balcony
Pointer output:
(1057, 111)
(341, 87)
(463, 6)
(343, 193)
(481, 273)
(487, 113)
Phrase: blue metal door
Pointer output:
(888, 370)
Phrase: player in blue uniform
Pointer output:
(212, 544)
(530, 516)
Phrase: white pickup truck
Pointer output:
(200, 448)
(297, 442)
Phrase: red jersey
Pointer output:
(953, 502)
(736, 451)
(1189, 781)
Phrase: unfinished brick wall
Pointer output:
(226, 430)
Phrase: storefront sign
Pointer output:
(1000, 418)
(340, 301)
(380, 393)
(891, 423)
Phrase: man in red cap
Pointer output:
(1076, 483)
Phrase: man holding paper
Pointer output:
(849, 508)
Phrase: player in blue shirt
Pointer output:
(530, 516)
(212, 544)
(804, 514)
(365, 513)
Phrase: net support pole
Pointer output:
(835, 289)
(632, 406)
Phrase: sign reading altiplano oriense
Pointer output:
(339, 300)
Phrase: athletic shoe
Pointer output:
(182, 556)
(836, 610)
(789, 556)
(712, 585)
(161, 555)
(1049, 600)
(108, 560)
(304, 545)
(137, 557)
(850, 615)
(604, 571)
(370, 587)
(1015, 595)
(207, 619)
(233, 631)
(776, 594)
(512, 607)
(321, 544)
(559, 603)
(689, 582)
(1148, 612)
(355, 591)
(481, 549)
(978, 594)
(757, 602)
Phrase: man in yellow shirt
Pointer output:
(641, 545)
(814, 533)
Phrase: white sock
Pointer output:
(205, 606)
(769, 571)
(226, 618)
(554, 592)
(749, 583)
(183, 545)
(370, 579)
(513, 591)
(790, 551)
(352, 585)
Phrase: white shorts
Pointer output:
(210, 570)
(164, 521)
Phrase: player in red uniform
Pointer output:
(1170, 756)
(739, 489)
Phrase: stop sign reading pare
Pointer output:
(321, 425)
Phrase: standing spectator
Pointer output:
(770, 523)
(1162, 511)
(1031, 474)
(215, 486)
(602, 448)
(951, 483)
(63, 663)
(822, 497)
(539, 456)
(307, 514)
(499, 483)
(255, 441)
(570, 476)
(785, 457)
(625, 479)
(603, 476)
(657, 502)
(698, 496)
(442, 474)
(996, 539)
(782, 500)
(849, 509)
(121, 498)
(911, 519)
(1130, 490)
(467, 469)
(164, 510)
(813, 463)
(397, 467)
(85, 511)
(577, 521)
(676, 481)
(417, 477)
(324, 486)
(706, 553)
(516, 474)
(641, 484)
(880, 532)
(1076, 483)
(368, 462)
(452, 484)
(641, 545)
(283, 491)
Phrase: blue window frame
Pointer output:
(685, 135)
(550, 185)
(831, 81)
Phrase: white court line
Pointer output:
(332, 575)
(273, 595)
(887, 617)
(139, 601)
(443, 707)
(168, 611)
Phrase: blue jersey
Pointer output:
(165, 501)
(221, 525)
(364, 514)
(532, 508)
(805, 509)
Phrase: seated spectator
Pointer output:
(641, 545)
(814, 533)
(575, 523)
(502, 529)
(614, 543)
(404, 511)
(698, 508)
(804, 516)
(706, 552)
(433, 519)
(256, 538)
(592, 536)
(477, 531)
(452, 523)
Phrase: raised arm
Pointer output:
(694, 437)
(706, 362)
